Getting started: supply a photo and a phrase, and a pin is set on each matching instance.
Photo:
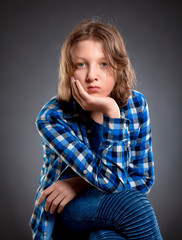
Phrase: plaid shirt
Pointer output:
(124, 159)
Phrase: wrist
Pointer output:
(111, 109)
(81, 184)
(115, 129)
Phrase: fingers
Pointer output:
(78, 90)
(75, 91)
(56, 196)
(54, 200)
(63, 204)
(51, 202)
(59, 202)
(45, 193)
(55, 203)
(104, 105)
(80, 95)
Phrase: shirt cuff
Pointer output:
(115, 129)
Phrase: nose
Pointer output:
(92, 74)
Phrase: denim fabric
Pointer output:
(105, 234)
(97, 215)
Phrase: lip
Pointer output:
(93, 89)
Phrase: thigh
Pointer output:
(81, 213)
(78, 218)
(128, 213)
(131, 215)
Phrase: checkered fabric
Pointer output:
(124, 160)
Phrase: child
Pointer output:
(97, 150)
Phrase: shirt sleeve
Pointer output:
(106, 170)
(141, 165)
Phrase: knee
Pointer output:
(133, 205)
(138, 217)
(117, 207)
(135, 201)
(129, 212)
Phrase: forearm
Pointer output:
(60, 193)
(105, 105)
(99, 170)
(80, 184)
(108, 169)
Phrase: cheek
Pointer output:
(76, 75)
(110, 83)
(113, 84)
(80, 75)
(109, 88)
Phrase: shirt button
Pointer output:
(85, 171)
(45, 233)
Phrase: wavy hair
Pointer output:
(115, 53)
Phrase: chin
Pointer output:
(95, 95)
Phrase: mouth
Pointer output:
(93, 89)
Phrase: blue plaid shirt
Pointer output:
(123, 161)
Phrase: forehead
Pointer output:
(90, 48)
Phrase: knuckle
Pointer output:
(43, 194)
(85, 105)
(48, 201)
(54, 205)
(62, 205)
(60, 209)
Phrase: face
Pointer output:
(92, 68)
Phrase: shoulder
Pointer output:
(137, 101)
(137, 108)
(48, 108)
(55, 108)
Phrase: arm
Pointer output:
(97, 106)
(108, 171)
(141, 167)
(61, 193)
(100, 171)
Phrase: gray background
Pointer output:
(32, 33)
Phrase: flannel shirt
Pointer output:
(124, 159)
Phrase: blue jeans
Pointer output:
(96, 215)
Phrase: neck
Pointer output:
(97, 117)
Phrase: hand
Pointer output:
(61, 193)
(105, 105)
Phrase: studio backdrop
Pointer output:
(32, 33)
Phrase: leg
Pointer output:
(128, 213)
(78, 218)
(131, 214)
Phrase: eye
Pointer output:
(81, 64)
(104, 64)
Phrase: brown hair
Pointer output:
(115, 52)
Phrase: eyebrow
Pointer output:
(85, 59)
